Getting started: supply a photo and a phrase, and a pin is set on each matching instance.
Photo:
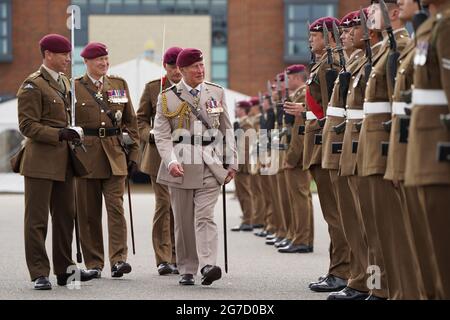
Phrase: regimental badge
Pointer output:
(28, 86)
(420, 59)
(117, 96)
(99, 95)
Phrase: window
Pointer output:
(297, 14)
(5, 31)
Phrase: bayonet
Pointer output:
(339, 47)
(366, 38)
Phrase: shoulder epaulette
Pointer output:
(168, 89)
(35, 75)
(214, 84)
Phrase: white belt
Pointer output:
(398, 108)
(377, 107)
(336, 112)
(355, 114)
(310, 116)
(429, 97)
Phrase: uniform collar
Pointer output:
(94, 80)
(55, 75)
(199, 87)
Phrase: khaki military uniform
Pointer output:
(312, 159)
(242, 178)
(348, 202)
(385, 198)
(299, 183)
(163, 237)
(430, 100)
(44, 108)
(194, 195)
(107, 163)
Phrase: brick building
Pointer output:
(252, 40)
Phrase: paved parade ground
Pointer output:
(256, 270)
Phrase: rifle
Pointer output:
(368, 47)
(344, 78)
(288, 118)
(420, 16)
(279, 105)
(270, 120)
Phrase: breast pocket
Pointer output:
(54, 108)
(87, 113)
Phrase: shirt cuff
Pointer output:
(173, 161)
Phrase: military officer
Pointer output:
(430, 99)
(298, 180)
(162, 232)
(242, 178)
(192, 167)
(317, 97)
(104, 111)
(44, 114)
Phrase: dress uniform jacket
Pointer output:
(146, 113)
(193, 172)
(44, 157)
(335, 116)
(354, 113)
(105, 155)
(294, 154)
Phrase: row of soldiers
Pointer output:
(371, 126)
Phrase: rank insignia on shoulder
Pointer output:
(28, 86)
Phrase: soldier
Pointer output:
(104, 111)
(317, 96)
(242, 178)
(193, 106)
(44, 114)
(162, 232)
(356, 288)
(424, 170)
(298, 180)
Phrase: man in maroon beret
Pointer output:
(104, 111)
(163, 237)
(185, 113)
(43, 101)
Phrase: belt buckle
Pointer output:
(102, 132)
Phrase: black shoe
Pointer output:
(372, 297)
(300, 248)
(283, 243)
(187, 280)
(263, 233)
(258, 226)
(84, 275)
(97, 272)
(243, 227)
(270, 236)
(348, 294)
(119, 269)
(320, 279)
(164, 268)
(174, 268)
(329, 284)
(273, 241)
(42, 283)
(210, 274)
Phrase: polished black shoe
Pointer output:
(164, 268)
(174, 268)
(187, 280)
(273, 241)
(270, 236)
(263, 233)
(119, 269)
(329, 284)
(210, 274)
(97, 272)
(84, 275)
(372, 297)
(348, 294)
(283, 243)
(258, 226)
(299, 248)
(42, 283)
(320, 279)
(243, 227)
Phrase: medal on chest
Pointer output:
(117, 96)
(214, 108)
(420, 58)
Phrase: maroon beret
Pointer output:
(254, 101)
(317, 26)
(353, 19)
(171, 55)
(189, 56)
(94, 50)
(386, 1)
(295, 68)
(266, 95)
(280, 77)
(55, 43)
(243, 104)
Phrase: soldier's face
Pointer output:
(97, 67)
(346, 38)
(58, 61)
(407, 9)
(316, 42)
(194, 74)
(357, 35)
(239, 112)
(173, 73)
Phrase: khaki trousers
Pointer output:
(90, 202)
(256, 192)
(269, 205)
(41, 197)
(243, 193)
(283, 198)
(163, 237)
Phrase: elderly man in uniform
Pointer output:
(427, 158)
(105, 112)
(162, 233)
(192, 165)
(44, 114)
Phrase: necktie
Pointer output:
(61, 84)
(99, 85)
(194, 93)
